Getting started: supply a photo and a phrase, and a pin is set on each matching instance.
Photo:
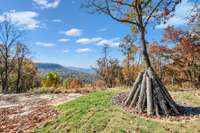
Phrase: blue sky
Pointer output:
(59, 31)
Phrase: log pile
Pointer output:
(148, 94)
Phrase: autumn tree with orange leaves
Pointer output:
(181, 61)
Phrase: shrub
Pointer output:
(99, 84)
(52, 79)
(72, 83)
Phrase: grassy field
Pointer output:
(95, 113)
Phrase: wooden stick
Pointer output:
(142, 93)
(135, 97)
(156, 109)
(149, 96)
(164, 92)
(135, 86)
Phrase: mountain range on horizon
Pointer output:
(84, 74)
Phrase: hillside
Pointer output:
(96, 113)
(65, 72)
(85, 70)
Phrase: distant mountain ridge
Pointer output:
(86, 70)
(85, 75)
(49, 66)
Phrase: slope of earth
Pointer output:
(21, 112)
(96, 113)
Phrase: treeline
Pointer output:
(181, 62)
(52, 79)
(17, 71)
(176, 59)
(111, 72)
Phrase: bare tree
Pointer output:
(9, 35)
(148, 91)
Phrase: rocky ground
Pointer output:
(20, 113)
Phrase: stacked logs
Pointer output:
(148, 94)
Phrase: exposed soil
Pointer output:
(20, 113)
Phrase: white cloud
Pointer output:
(25, 20)
(65, 51)
(99, 41)
(73, 32)
(83, 50)
(183, 11)
(44, 44)
(56, 20)
(89, 40)
(44, 4)
(64, 40)
(111, 42)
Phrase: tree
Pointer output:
(52, 79)
(157, 59)
(28, 78)
(182, 60)
(108, 69)
(195, 20)
(109, 73)
(129, 50)
(21, 53)
(148, 91)
(72, 83)
(9, 36)
(102, 65)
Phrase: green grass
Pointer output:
(95, 113)
(188, 97)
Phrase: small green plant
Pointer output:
(52, 79)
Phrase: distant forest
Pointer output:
(64, 72)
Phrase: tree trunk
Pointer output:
(17, 86)
(149, 96)
(144, 49)
(128, 65)
(5, 76)
(5, 83)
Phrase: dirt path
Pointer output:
(21, 112)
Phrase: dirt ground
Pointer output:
(20, 113)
